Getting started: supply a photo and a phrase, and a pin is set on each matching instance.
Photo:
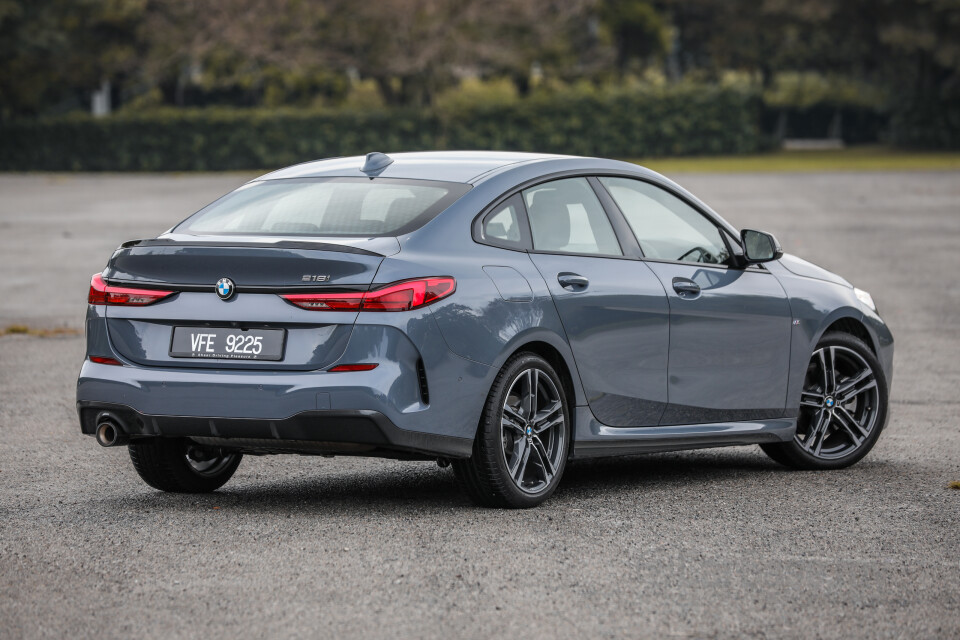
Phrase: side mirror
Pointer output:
(759, 246)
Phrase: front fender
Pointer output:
(816, 304)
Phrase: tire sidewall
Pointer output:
(162, 464)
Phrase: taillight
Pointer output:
(326, 301)
(103, 294)
(103, 360)
(399, 296)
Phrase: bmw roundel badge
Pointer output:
(225, 288)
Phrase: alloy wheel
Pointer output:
(839, 404)
(532, 430)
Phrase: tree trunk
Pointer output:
(521, 82)
(387, 92)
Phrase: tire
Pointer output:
(178, 465)
(841, 415)
(517, 460)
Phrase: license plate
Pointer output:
(225, 343)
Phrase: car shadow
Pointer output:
(422, 489)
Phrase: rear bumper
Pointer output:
(401, 405)
(329, 431)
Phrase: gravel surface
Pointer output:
(717, 543)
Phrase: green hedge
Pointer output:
(667, 122)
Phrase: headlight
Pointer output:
(865, 298)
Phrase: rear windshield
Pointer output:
(325, 207)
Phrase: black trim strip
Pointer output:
(357, 426)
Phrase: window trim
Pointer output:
(625, 236)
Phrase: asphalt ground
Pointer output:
(716, 543)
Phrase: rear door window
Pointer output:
(566, 217)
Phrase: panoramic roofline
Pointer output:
(452, 166)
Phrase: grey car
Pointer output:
(501, 312)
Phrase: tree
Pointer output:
(639, 30)
(57, 51)
(509, 37)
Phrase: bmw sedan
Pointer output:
(502, 313)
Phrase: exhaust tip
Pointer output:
(108, 434)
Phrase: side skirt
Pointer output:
(594, 440)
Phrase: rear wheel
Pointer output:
(524, 436)
(180, 465)
(843, 407)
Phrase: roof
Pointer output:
(449, 166)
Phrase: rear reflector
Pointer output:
(352, 367)
(102, 360)
(398, 296)
(103, 294)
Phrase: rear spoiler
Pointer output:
(280, 244)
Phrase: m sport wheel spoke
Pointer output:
(549, 418)
(545, 465)
(531, 380)
(512, 422)
(811, 399)
(519, 468)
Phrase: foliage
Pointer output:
(638, 30)
(896, 58)
(927, 125)
(48, 49)
(670, 121)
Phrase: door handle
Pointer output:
(572, 281)
(686, 288)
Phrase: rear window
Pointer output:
(325, 207)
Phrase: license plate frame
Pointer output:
(212, 343)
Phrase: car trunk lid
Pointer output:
(260, 268)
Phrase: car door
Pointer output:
(729, 326)
(613, 308)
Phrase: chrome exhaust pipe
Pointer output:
(109, 434)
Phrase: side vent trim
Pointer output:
(422, 379)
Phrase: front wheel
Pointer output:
(843, 407)
(180, 465)
(524, 436)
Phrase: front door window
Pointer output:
(666, 227)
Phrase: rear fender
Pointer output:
(478, 322)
